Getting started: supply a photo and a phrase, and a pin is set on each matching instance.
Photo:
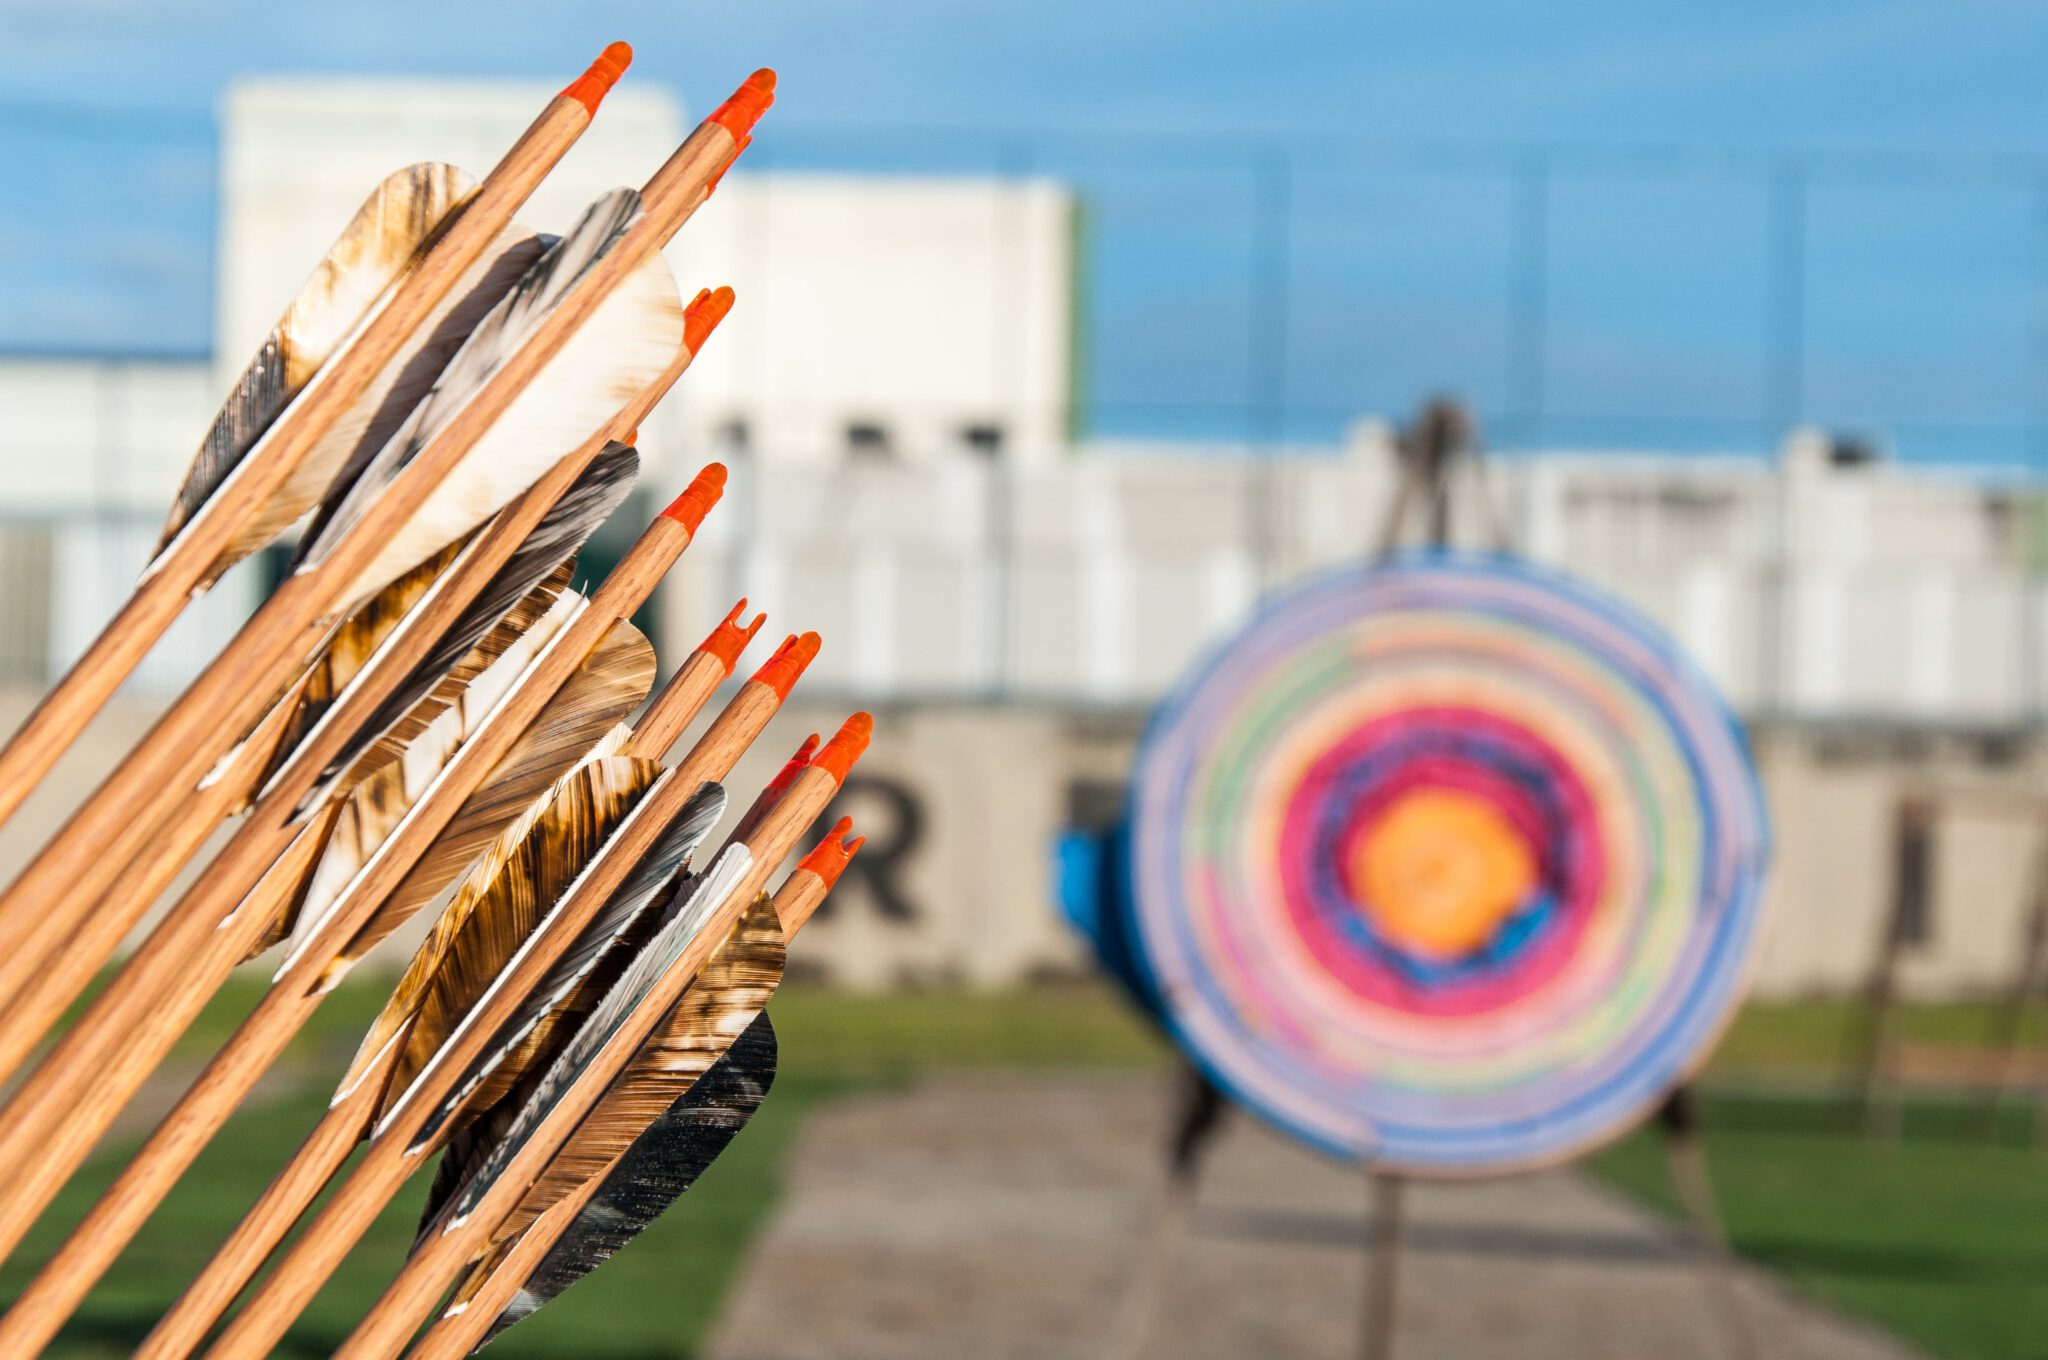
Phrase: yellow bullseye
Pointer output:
(1440, 871)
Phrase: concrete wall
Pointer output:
(1883, 593)
(109, 436)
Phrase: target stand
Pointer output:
(1447, 865)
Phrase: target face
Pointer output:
(1450, 865)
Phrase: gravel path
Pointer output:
(977, 1219)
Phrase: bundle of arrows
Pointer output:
(424, 713)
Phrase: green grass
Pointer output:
(655, 1299)
(1818, 1036)
(1942, 1240)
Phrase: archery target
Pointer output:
(1450, 865)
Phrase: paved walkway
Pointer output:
(977, 1219)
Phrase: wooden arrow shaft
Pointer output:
(436, 1263)
(273, 1217)
(44, 1161)
(79, 1088)
(227, 1081)
(176, 971)
(75, 869)
(267, 828)
(454, 1335)
(69, 1275)
(180, 1332)
(47, 993)
(74, 1097)
(662, 725)
(119, 819)
(180, 571)
(351, 1209)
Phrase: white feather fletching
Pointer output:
(397, 389)
(627, 343)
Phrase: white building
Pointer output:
(897, 317)
(894, 319)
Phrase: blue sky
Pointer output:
(1919, 287)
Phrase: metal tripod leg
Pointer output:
(1385, 1230)
(2008, 1040)
(1679, 1120)
(1201, 1112)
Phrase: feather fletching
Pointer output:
(352, 646)
(500, 901)
(463, 704)
(576, 725)
(373, 250)
(736, 983)
(282, 888)
(330, 466)
(388, 783)
(662, 1163)
(733, 989)
(590, 500)
(576, 981)
(603, 1025)
(627, 343)
(468, 695)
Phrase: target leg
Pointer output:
(1202, 1107)
(1687, 1156)
(1385, 1229)
(2008, 1039)
(1879, 1102)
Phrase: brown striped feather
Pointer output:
(389, 781)
(499, 900)
(587, 971)
(573, 727)
(351, 646)
(628, 343)
(733, 988)
(662, 1163)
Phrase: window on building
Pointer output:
(1095, 804)
(28, 556)
(1853, 451)
(1913, 875)
(869, 440)
(985, 439)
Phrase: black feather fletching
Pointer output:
(507, 894)
(662, 1163)
(602, 1026)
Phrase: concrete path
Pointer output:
(977, 1219)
